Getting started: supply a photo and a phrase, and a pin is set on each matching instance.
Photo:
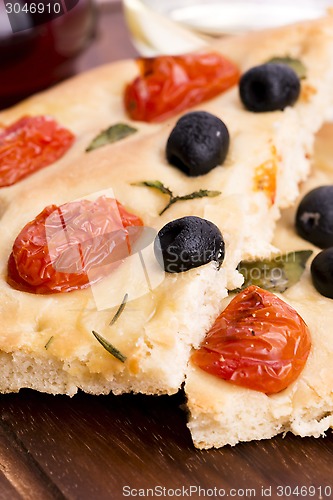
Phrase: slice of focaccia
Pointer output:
(47, 341)
(222, 413)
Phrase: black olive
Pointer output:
(198, 143)
(188, 242)
(269, 87)
(322, 272)
(314, 217)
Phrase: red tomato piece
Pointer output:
(169, 84)
(30, 144)
(72, 246)
(258, 341)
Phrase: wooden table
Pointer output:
(92, 447)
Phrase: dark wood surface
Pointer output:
(92, 447)
(54, 447)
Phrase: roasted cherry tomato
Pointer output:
(30, 144)
(169, 84)
(72, 246)
(258, 341)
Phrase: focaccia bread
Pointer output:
(47, 342)
(220, 412)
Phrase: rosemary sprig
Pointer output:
(202, 193)
(119, 310)
(109, 347)
(47, 345)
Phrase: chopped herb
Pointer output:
(295, 64)
(47, 345)
(155, 185)
(110, 135)
(119, 310)
(275, 274)
(202, 193)
(109, 347)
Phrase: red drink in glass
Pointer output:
(37, 51)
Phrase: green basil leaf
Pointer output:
(275, 274)
(295, 64)
(112, 134)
